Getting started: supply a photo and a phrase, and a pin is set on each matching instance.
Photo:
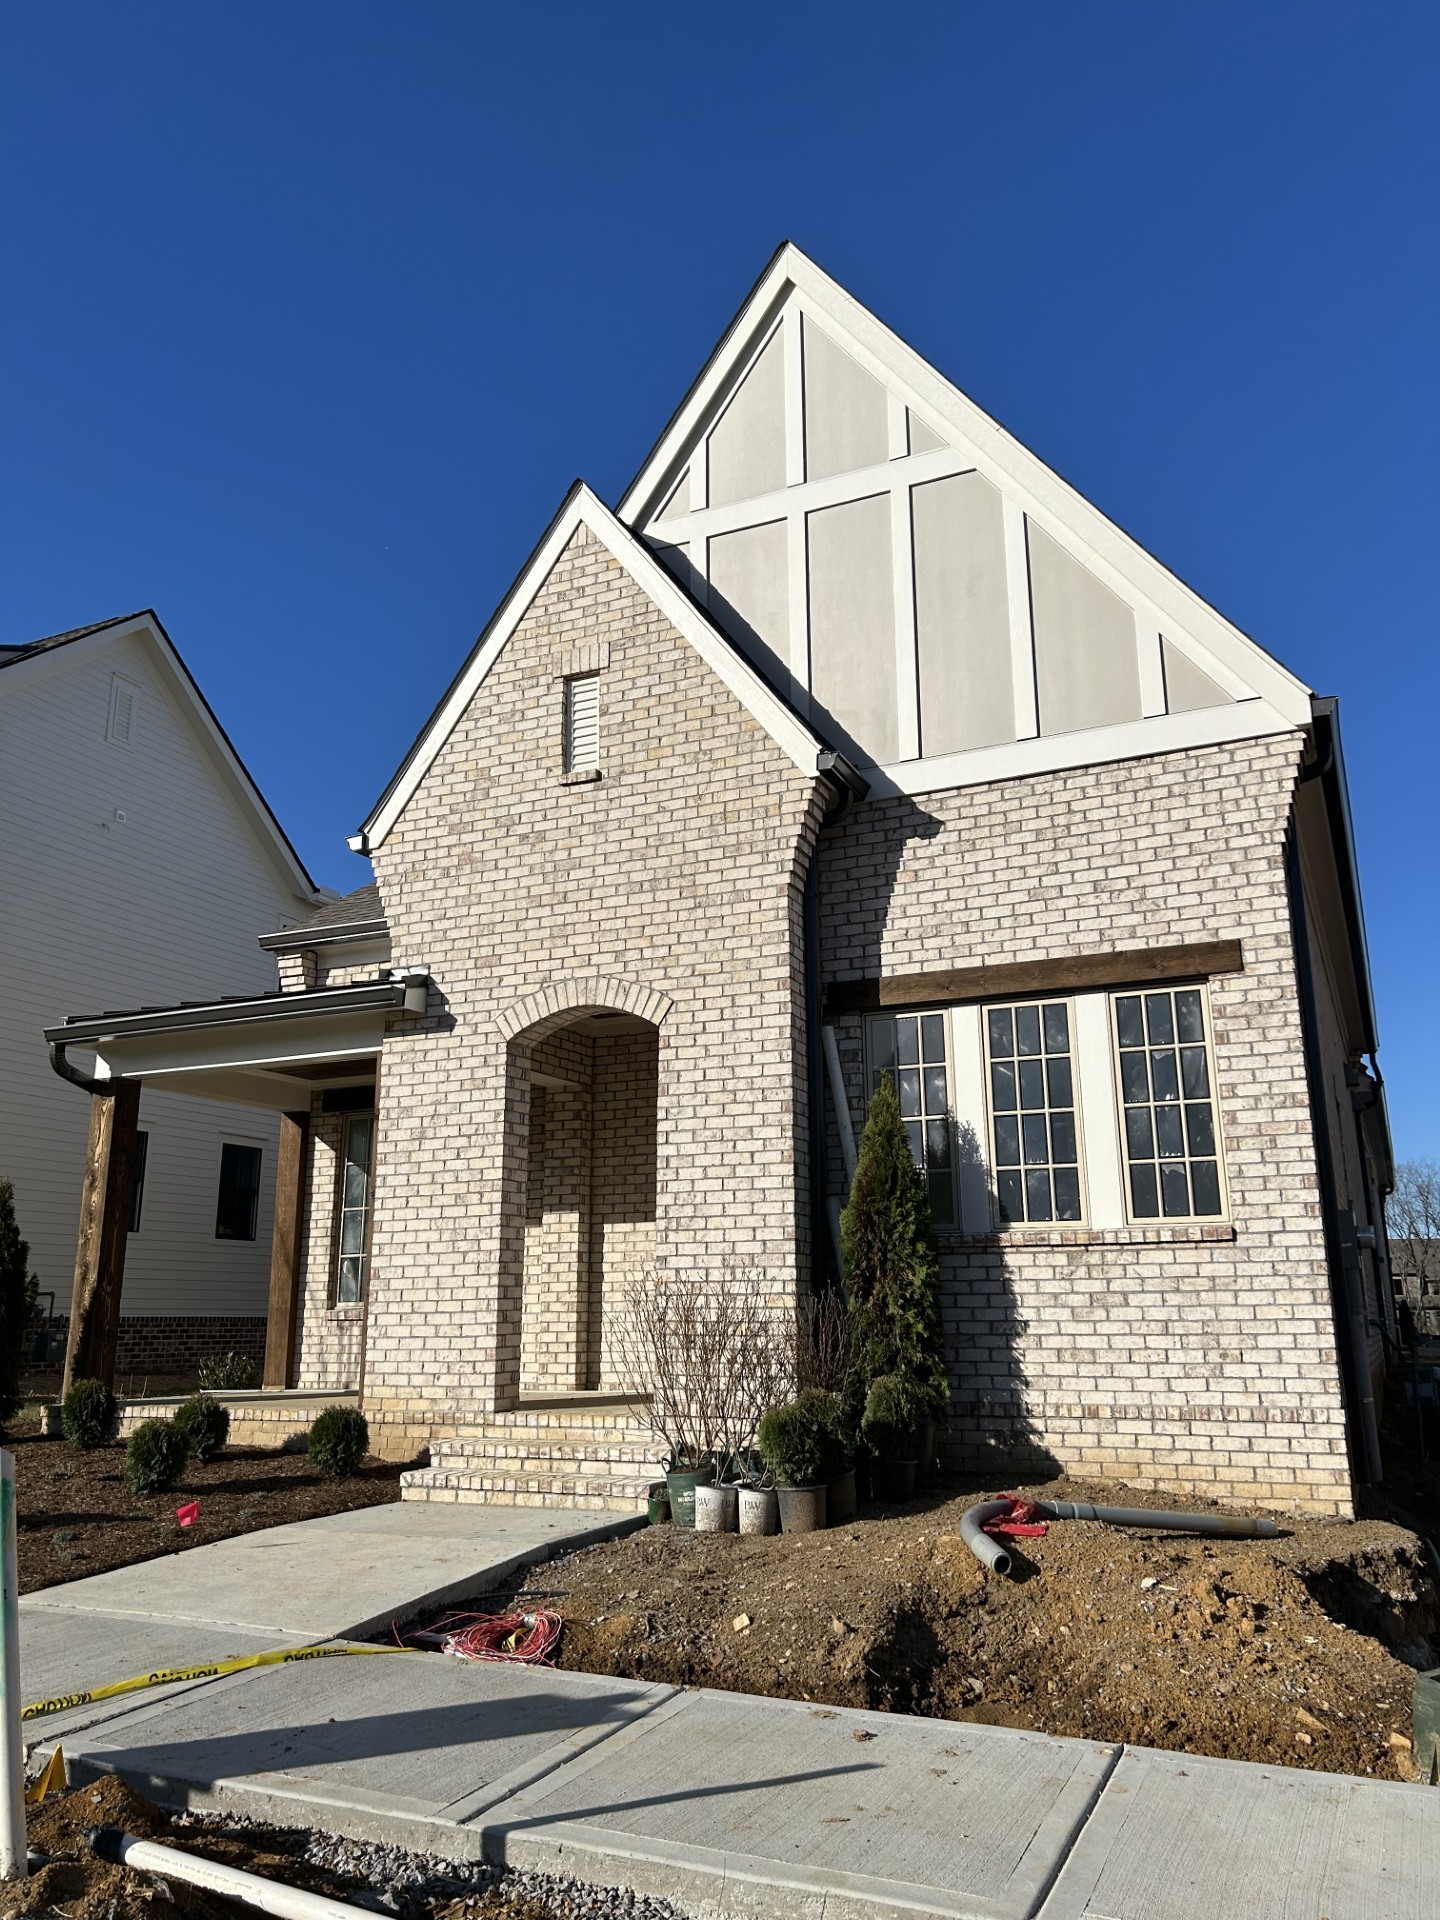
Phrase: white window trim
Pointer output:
(1144, 1220)
(572, 763)
(1081, 1157)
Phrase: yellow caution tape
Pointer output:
(278, 1657)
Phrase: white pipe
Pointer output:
(14, 1862)
(271, 1896)
(842, 1105)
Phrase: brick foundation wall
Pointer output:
(1196, 1358)
(175, 1342)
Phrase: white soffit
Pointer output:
(1251, 677)
(585, 508)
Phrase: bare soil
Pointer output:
(1282, 1651)
(77, 1516)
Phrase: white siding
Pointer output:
(100, 911)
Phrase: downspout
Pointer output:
(73, 1074)
(847, 786)
(1354, 1361)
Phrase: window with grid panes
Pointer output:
(911, 1047)
(1167, 1101)
(350, 1273)
(1032, 1112)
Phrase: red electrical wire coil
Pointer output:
(525, 1639)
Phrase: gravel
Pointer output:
(410, 1885)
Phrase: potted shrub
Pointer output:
(797, 1449)
(838, 1426)
(894, 1410)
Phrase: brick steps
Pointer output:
(565, 1455)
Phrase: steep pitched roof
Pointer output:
(581, 507)
(809, 404)
(16, 665)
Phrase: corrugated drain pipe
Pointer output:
(990, 1553)
(824, 1230)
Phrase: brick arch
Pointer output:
(550, 1006)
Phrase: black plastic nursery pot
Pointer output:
(802, 1509)
(841, 1502)
(657, 1504)
(892, 1481)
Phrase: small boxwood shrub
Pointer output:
(895, 1409)
(204, 1423)
(228, 1373)
(155, 1456)
(339, 1441)
(87, 1417)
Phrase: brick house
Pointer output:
(852, 740)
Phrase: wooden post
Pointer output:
(104, 1228)
(291, 1182)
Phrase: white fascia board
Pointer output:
(243, 1044)
(192, 704)
(588, 510)
(1094, 746)
(1054, 505)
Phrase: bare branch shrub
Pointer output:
(713, 1353)
(822, 1343)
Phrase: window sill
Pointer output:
(1184, 1234)
(347, 1310)
(583, 778)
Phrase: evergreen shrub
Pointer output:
(339, 1441)
(894, 1412)
(17, 1303)
(155, 1456)
(87, 1417)
(205, 1424)
(228, 1373)
(802, 1442)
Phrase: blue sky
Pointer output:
(313, 310)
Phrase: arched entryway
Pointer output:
(583, 1097)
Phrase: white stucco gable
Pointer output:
(944, 608)
(580, 508)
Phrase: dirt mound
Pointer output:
(1281, 1651)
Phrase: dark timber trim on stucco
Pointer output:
(1071, 974)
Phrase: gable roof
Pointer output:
(353, 916)
(17, 664)
(1201, 676)
(582, 507)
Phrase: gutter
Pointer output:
(847, 786)
(293, 938)
(403, 990)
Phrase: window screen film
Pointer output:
(911, 1047)
(239, 1192)
(1032, 1112)
(1167, 1100)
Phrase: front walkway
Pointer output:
(764, 1806)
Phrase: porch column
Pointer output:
(291, 1174)
(104, 1227)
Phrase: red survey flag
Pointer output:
(188, 1514)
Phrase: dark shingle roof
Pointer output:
(9, 656)
(357, 910)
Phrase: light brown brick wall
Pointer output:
(1194, 1359)
(327, 1336)
(679, 870)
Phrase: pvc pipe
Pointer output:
(1230, 1526)
(271, 1896)
(988, 1552)
(991, 1554)
(14, 1862)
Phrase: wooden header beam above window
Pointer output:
(1074, 973)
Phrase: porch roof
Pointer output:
(266, 1050)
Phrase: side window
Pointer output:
(1172, 1155)
(137, 1178)
(911, 1048)
(1029, 1056)
(239, 1192)
(350, 1273)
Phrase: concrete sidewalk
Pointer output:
(771, 1807)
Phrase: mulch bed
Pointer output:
(1282, 1651)
(77, 1516)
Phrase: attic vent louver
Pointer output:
(582, 723)
(120, 726)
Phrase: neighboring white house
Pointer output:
(138, 858)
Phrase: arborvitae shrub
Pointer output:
(205, 1424)
(892, 1268)
(17, 1304)
(155, 1456)
(339, 1441)
(87, 1416)
(794, 1444)
(894, 1410)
